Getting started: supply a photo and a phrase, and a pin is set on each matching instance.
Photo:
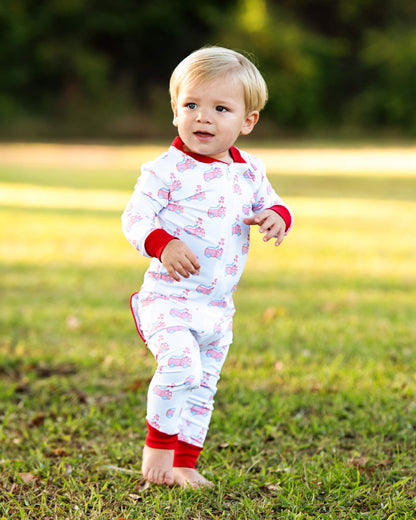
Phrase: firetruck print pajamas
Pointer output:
(187, 325)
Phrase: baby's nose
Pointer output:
(203, 116)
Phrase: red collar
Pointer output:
(235, 153)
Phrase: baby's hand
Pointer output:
(178, 259)
(270, 223)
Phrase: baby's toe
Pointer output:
(169, 478)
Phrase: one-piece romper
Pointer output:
(187, 325)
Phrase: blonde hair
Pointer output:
(210, 63)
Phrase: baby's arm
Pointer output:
(270, 223)
(178, 259)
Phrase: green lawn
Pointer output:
(316, 410)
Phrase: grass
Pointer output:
(316, 411)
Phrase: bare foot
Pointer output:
(190, 477)
(157, 466)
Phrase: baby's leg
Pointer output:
(179, 369)
(178, 372)
(197, 412)
(192, 435)
(196, 417)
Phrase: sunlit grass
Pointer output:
(29, 196)
(315, 414)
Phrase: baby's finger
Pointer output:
(266, 224)
(193, 259)
(279, 238)
(269, 234)
(275, 231)
(184, 268)
(188, 267)
(252, 221)
(172, 272)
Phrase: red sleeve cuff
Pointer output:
(284, 213)
(156, 241)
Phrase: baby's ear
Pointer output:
(250, 122)
(175, 113)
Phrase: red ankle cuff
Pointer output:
(160, 440)
(186, 455)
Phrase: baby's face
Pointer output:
(211, 115)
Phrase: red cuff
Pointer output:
(156, 241)
(186, 455)
(160, 440)
(284, 213)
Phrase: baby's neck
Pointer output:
(228, 158)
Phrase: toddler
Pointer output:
(191, 212)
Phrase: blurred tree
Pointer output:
(371, 83)
(91, 63)
(49, 65)
(80, 59)
(299, 64)
(388, 97)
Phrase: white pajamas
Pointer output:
(188, 324)
(189, 358)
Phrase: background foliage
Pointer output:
(90, 68)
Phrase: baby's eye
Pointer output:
(220, 108)
(192, 106)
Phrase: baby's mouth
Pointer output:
(203, 134)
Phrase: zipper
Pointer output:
(225, 234)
